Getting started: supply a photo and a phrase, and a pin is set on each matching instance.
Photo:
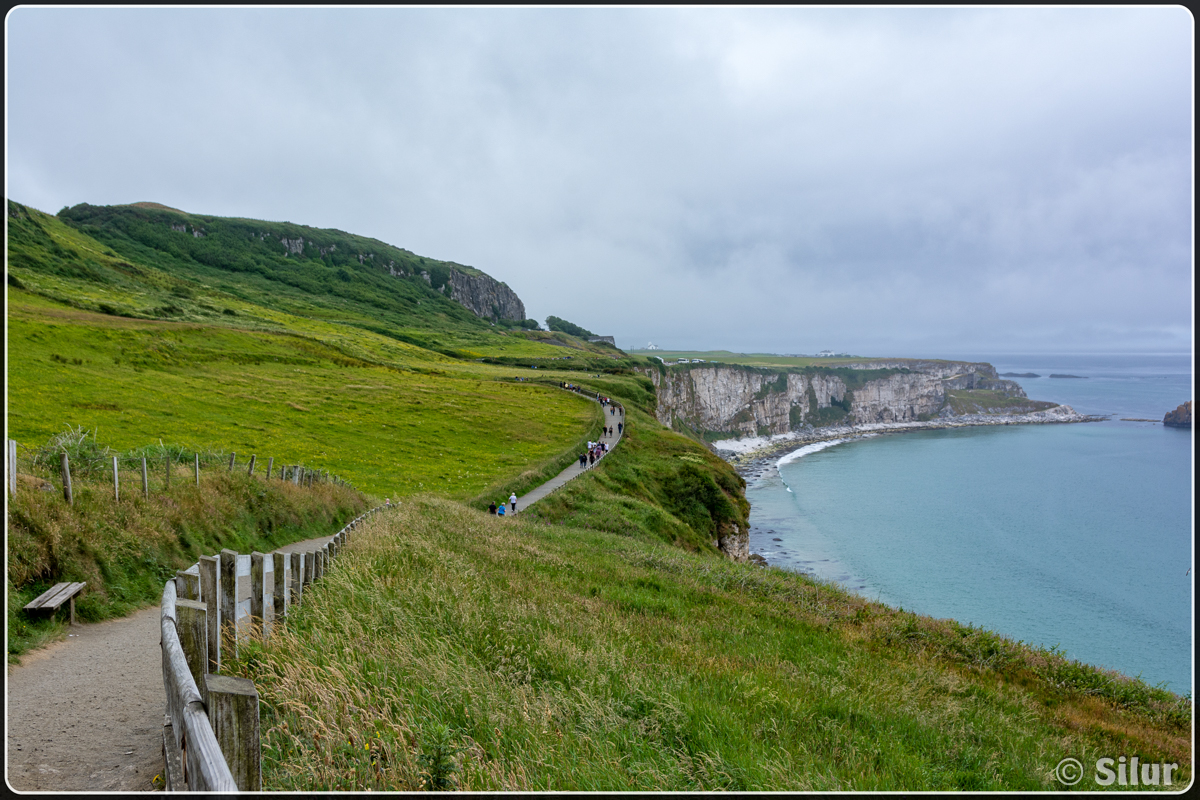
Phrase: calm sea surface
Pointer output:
(1072, 535)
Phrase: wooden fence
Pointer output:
(211, 729)
(153, 473)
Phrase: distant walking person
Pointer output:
(500, 510)
(492, 508)
(512, 498)
(620, 427)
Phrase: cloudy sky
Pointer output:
(926, 182)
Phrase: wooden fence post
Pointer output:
(251, 470)
(270, 466)
(145, 480)
(280, 591)
(191, 621)
(197, 470)
(12, 467)
(210, 594)
(66, 476)
(228, 599)
(297, 576)
(116, 481)
(187, 585)
(310, 567)
(232, 458)
(233, 713)
(257, 588)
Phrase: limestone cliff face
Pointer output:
(745, 401)
(734, 543)
(485, 296)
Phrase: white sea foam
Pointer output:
(806, 450)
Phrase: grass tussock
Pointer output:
(450, 649)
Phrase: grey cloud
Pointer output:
(778, 179)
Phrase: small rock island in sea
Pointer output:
(1180, 417)
(1079, 377)
(1019, 375)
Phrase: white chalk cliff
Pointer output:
(748, 401)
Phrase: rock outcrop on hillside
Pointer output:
(485, 296)
(748, 402)
(1180, 417)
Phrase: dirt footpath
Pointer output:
(86, 714)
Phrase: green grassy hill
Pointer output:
(123, 325)
(119, 322)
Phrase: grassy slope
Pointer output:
(537, 657)
(149, 345)
(126, 550)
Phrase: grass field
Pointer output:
(451, 649)
(388, 429)
(753, 359)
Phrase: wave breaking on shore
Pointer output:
(795, 444)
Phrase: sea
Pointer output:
(1075, 536)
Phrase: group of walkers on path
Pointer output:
(498, 510)
(596, 450)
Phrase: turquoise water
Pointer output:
(1072, 535)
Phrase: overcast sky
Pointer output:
(925, 182)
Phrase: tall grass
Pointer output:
(450, 648)
(126, 549)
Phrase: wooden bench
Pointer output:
(55, 596)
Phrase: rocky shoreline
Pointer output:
(752, 453)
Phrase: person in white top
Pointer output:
(512, 499)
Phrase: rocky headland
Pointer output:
(755, 413)
(747, 401)
(1180, 417)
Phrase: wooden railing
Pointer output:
(211, 730)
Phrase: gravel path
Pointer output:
(86, 714)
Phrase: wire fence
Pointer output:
(75, 459)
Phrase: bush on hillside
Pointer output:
(562, 326)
